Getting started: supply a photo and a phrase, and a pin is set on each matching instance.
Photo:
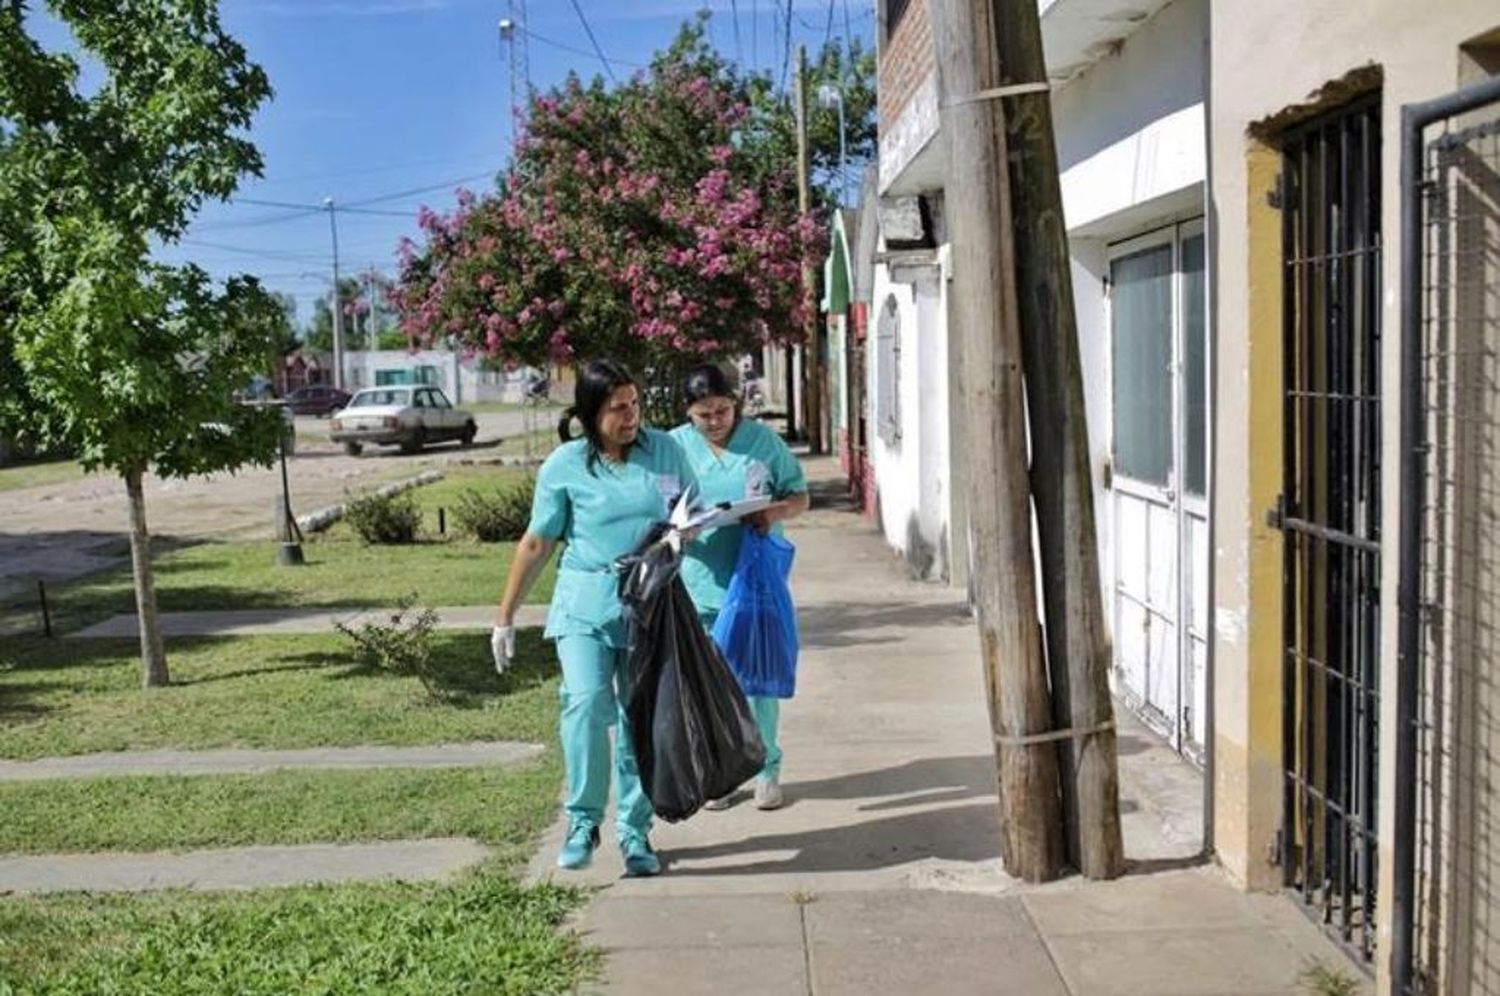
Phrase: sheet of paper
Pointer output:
(713, 516)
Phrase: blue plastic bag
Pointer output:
(757, 626)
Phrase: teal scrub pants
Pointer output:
(767, 712)
(593, 691)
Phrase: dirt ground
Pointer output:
(60, 531)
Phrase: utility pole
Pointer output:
(513, 29)
(1061, 483)
(338, 312)
(812, 361)
(989, 336)
(372, 327)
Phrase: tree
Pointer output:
(137, 359)
(851, 70)
(319, 333)
(647, 222)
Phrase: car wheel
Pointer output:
(466, 438)
(415, 441)
(353, 449)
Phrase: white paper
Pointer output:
(713, 516)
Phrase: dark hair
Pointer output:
(709, 381)
(597, 380)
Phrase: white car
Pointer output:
(406, 416)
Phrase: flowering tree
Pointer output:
(637, 223)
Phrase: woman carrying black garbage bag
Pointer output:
(735, 458)
(600, 495)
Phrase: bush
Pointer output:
(384, 518)
(495, 515)
(402, 646)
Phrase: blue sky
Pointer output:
(378, 97)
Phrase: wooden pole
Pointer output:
(1077, 649)
(988, 333)
(812, 360)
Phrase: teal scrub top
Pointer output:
(602, 513)
(755, 462)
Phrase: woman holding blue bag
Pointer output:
(734, 458)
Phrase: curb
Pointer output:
(321, 519)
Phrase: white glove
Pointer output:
(503, 646)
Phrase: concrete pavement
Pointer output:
(241, 867)
(882, 872)
(235, 761)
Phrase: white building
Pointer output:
(463, 380)
(1128, 82)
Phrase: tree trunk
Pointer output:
(985, 313)
(153, 652)
(1078, 652)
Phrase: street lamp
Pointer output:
(831, 96)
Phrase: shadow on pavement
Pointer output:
(853, 624)
(954, 833)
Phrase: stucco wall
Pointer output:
(911, 473)
(1266, 57)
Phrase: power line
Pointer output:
(445, 185)
(289, 256)
(319, 207)
(579, 51)
(593, 41)
(828, 31)
(786, 35)
(268, 219)
(754, 35)
(734, 14)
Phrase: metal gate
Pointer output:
(1446, 902)
(1329, 515)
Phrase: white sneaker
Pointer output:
(768, 794)
(720, 804)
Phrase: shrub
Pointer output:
(384, 518)
(495, 515)
(400, 646)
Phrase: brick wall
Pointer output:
(905, 61)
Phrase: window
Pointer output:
(888, 372)
(1143, 365)
(1195, 369)
(1158, 306)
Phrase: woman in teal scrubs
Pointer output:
(599, 496)
(735, 458)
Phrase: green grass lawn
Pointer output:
(485, 934)
(39, 474)
(341, 571)
(80, 696)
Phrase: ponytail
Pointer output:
(565, 424)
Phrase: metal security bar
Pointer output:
(1446, 934)
(1330, 516)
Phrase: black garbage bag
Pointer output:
(694, 736)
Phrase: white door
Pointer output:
(1159, 479)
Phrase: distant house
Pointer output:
(302, 368)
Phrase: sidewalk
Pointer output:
(882, 873)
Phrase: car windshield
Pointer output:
(381, 396)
